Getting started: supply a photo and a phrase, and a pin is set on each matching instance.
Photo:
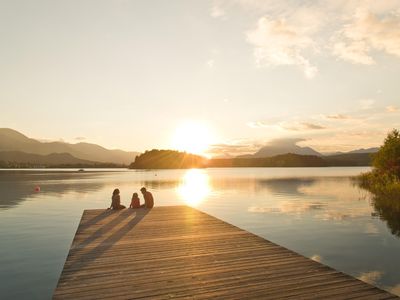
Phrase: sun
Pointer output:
(193, 137)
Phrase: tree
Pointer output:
(387, 160)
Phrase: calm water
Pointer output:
(317, 212)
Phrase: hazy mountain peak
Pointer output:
(284, 146)
(11, 133)
(12, 140)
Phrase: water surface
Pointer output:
(317, 212)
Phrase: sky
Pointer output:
(130, 74)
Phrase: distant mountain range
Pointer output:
(281, 147)
(18, 150)
(14, 146)
(36, 159)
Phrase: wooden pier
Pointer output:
(180, 252)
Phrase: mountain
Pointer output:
(367, 150)
(357, 151)
(282, 146)
(36, 159)
(12, 140)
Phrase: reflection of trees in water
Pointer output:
(160, 184)
(17, 186)
(388, 209)
(281, 186)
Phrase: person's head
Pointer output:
(135, 195)
(116, 192)
(143, 190)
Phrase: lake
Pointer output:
(317, 212)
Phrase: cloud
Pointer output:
(370, 277)
(302, 126)
(366, 103)
(234, 148)
(259, 124)
(290, 32)
(217, 11)
(287, 125)
(392, 109)
(367, 32)
(210, 63)
(276, 42)
(337, 117)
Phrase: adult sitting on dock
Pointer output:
(116, 200)
(148, 198)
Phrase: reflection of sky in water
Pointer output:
(316, 212)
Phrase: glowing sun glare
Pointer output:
(195, 187)
(192, 137)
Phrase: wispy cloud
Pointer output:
(234, 148)
(337, 117)
(392, 109)
(365, 33)
(287, 125)
(210, 63)
(290, 33)
(302, 126)
(366, 103)
(217, 11)
(276, 42)
(259, 124)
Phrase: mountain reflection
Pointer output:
(17, 186)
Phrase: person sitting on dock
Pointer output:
(148, 198)
(116, 200)
(135, 202)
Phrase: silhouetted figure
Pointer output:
(116, 200)
(148, 198)
(135, 202)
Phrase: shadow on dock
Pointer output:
(114, 225)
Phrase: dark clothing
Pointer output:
(116, 202)
(148, 199)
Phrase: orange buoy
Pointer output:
(37, 188)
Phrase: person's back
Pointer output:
(148, 198)
(116, 200)
(135, 202)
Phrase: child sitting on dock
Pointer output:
(135, 202)
(116, 200)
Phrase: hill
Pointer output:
(167, 159)
(284, 160)
(12, 140)
(35, 159)
(350, 159)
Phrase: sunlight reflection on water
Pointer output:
(195, 187)
(316, 212)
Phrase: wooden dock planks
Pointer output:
(180, 252)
